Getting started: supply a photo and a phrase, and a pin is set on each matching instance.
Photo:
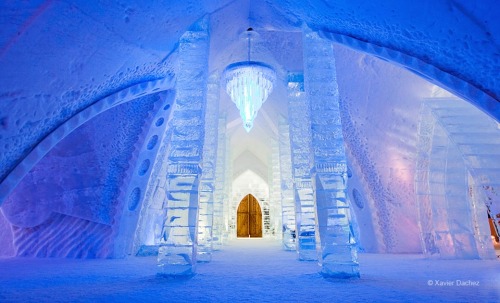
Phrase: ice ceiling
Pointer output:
(70, 138)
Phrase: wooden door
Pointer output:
(249, 218)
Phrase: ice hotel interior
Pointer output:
(250, 151)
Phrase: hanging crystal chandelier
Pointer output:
(249, 83)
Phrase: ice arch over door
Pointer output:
(250, 182)
(249, 218)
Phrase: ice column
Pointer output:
(220, 186)
(266, 218)
(207, 183)
(287, 201)
(228, 189)
(300, 141)
(337, 250)
(275, 192)
(422, 185)
(177, 251)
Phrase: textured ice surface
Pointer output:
(456, 177)
(336, 246)
(76, 187)
(150, 222)
(85, 60)
(221, 183)
(379, 105)
(301, 149)
(178, 244)
(287, 193)
(207, 183)
(93, 59)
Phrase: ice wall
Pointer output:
(7, 248)
(138, 193)
(379, 102)
(77, 187)
(445, 41)
(150, 221)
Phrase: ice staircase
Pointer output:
(459, 149)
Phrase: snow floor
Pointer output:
(249, 270)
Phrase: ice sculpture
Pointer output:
(451, 160)
(220, 186)
(207, 184)
(335, 241)
(287, 200)
(300, 141)
(177, 251)
(249, 84)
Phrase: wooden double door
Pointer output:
(249, 219)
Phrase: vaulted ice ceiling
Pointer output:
(58, 59)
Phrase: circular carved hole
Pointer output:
(358, 198)
(134, 198)
(143, 169)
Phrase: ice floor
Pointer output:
(250, 270)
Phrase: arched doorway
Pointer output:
(249, 219)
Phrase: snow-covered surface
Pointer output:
(249, 270)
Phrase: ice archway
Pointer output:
(59, 71)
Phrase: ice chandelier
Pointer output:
(249, 83)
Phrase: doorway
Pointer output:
(249, 218)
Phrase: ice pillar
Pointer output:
(220, 186)
(300, 142)
(177, 251)
(228, 189)
(335, 240)
(275, 192)
(207, 183)
(287, 200)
